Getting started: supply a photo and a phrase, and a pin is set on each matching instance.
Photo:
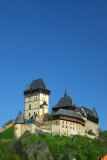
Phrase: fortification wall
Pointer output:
(6, 127)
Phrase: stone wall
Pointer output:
(6, 127)
(33, 102)
(56, 127)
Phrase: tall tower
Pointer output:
(36, 99)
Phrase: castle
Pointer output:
(68, 119)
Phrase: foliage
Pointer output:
(91, 132)
(47, 117)
(7, 152)
(19, 150)
(35, 154)
(8, 122)
(7, 134)
(61, 147)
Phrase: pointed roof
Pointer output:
(65, 101)
(44, 103)
(91, 113)
(94, 112)
(37, 84)
(20, 118)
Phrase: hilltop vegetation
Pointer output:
(43, 147)
(7, 134)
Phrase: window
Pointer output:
(34, 113)
(73, 128)
(36, 98)
(62, 122)
(66, 122)
(29, 114)
(66, 126)
(63, 126)
(56, 122)
(29, 106)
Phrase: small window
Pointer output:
(66, 122)
(36, 98)
(73, 128)
(56, 122)
(63, 122)
(34, 113)
(29, 106)
(29, 114)
(63, 126)
(66, 126)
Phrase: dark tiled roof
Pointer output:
(65, 102)
(68, 113)
(44, 103)
(37, 84)
(95, 113)
(20, 118)
(80, 110)
(89, 112)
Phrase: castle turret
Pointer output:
(18, 125)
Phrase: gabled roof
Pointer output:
(65, 101)
(91, 113)
(37, 84)
(68, 113)
(20, 118)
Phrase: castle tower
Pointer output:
(36, 99)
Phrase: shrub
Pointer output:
(47, 117)
(91, 132)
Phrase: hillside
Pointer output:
(43, 147)
(7, 134)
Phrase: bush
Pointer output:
(91, 132)
(47, 117)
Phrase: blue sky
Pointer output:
(64, 42)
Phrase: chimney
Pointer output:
(27, 86)
(46, 85)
